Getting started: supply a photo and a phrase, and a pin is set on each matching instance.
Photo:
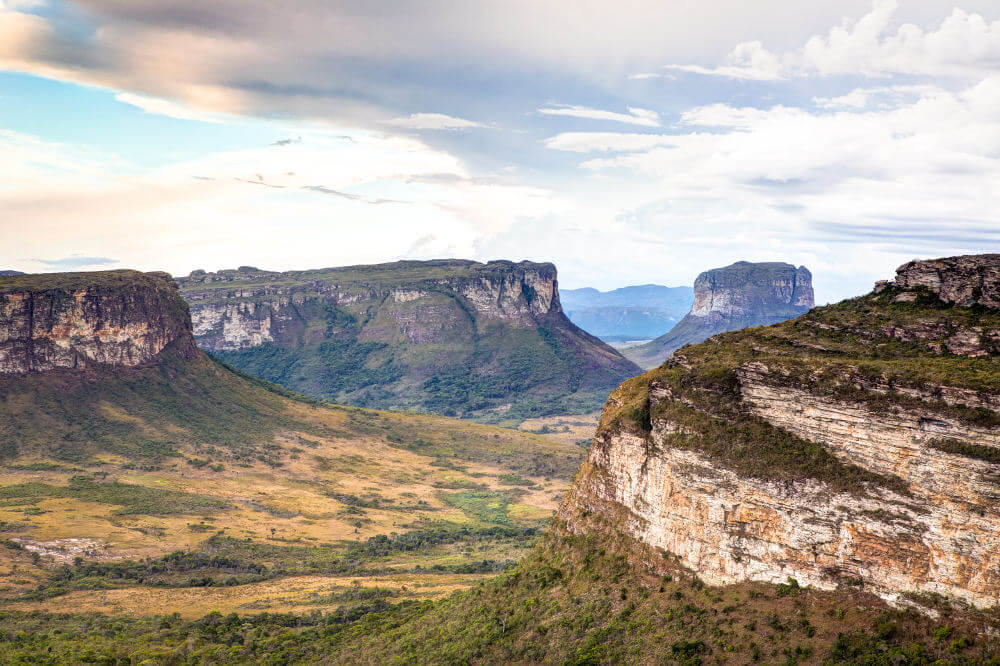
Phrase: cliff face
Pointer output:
(738, 296)
(457, 337)
(851, 446)
(78, 320)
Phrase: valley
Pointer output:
(179, 485)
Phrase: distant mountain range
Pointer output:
(638, 312)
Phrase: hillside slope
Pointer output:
(485, 341)
(752, 499)
(139, 476)
(738, 296)
(859, 442)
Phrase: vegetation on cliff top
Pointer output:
(338, 335)
(117, 279)
(851, 351)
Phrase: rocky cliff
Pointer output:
(857, 445)
(455, 337)
(78, 320)
(738, 296)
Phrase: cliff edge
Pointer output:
(456, 337)
(79, 320)
(737, 296)
(857, 445)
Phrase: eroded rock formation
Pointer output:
(449, 336)
(831, 449)
(727, 299)
(77, 320)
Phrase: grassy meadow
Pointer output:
(189, 488)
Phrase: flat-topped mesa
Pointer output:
(756, 290)
(856, 444)
(449, 336)
(737, 296)
(80, 320)
(965, 280)
(262, 306)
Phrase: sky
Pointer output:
(628, 142)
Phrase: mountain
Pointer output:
(485, 341)
(822, 490)
(819, 491)
(139, 476)
(629, 313)
(10, 273)
(738, 296)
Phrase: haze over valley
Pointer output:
(500, 333)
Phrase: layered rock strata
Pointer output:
(79, 320)
(738, 296)
(818, 449)
(416, 334)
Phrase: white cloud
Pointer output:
(919, 177)
(964, 45)
(883, 97)
(585, 142)
(214, 211)
(168, 108)
(635, 116)
(433, 121)
(20, 5)
(749, 60)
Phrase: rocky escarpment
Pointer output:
(738, 296)
(851, 446)
(456, 337)
(78, 320)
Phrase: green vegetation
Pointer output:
(988, 454)
(870, 350)
(130, 498)
(429, 348)
(488, 507)
(228, 562)
(573, 601)
(143, 414)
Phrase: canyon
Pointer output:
(858, 445)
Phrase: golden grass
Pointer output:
(292, 594)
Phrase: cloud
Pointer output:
(76, 262)
(918, 173)
(433, 121)
(206, 211)
(167, 108)
(749, 60)
(585, 142)
(883, 97)
(964, 45)
(635, 116)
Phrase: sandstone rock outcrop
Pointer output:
(964, 280)
(450, 336)
(78, 320)
(829, 448)
(738, 296)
